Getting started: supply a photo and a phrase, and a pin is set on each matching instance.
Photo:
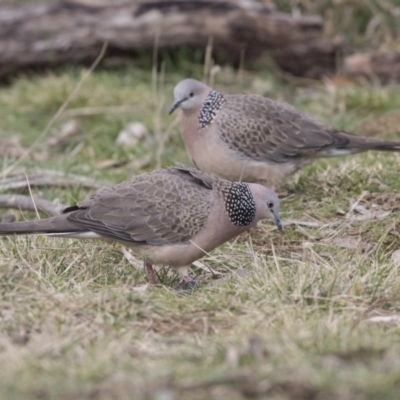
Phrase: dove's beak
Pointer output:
(277, 221)
(176, 104)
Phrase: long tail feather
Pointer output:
(352, 144)
(54, 225)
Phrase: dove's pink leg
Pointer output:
(150, 273)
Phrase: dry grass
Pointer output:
(292, 316)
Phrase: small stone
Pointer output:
(131, 135)
(396, 256)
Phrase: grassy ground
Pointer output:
(310, 314)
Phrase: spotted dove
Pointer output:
(251, 138)
(171, 216)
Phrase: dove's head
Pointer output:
(267, 204)
(248, 203)
(189, 94)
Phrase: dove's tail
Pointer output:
(54, 226)
(351, 144)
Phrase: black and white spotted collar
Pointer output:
(210, 108)
(240, 204)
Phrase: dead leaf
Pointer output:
(395, 257)
(360, 209)
(394, 318)
(303, 232)
(358, 63)
(132, 259)
(311, 224)
(141, 288)
(380, 315)
(131, 135)
(67, 131)
(386, 201)
(104, 164)
(11, 147)
(367, 210)
(370, 215)
(142, 162)
(205, 268)
(347, 242)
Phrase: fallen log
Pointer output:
(43, 35)
(380, 66)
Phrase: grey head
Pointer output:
(189, 94)
(246, 204)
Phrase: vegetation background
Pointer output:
(310, 314)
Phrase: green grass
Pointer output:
(364, 23)
(289, 316)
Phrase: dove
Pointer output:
(250, 138)
(171, 217)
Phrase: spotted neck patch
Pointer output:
(210, 108)
(240, 204)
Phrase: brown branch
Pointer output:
(65, 31)
(70, 31)
(46, 178)
(26, 203)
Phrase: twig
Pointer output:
(208, 61)
(311, 224)
(200, 265)
(27, 203)
(87, 111)
(57, 115)
(132, 259)
(355, 204)
(46, 178)
(235, 379)
(31, 196)
(159, 136)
